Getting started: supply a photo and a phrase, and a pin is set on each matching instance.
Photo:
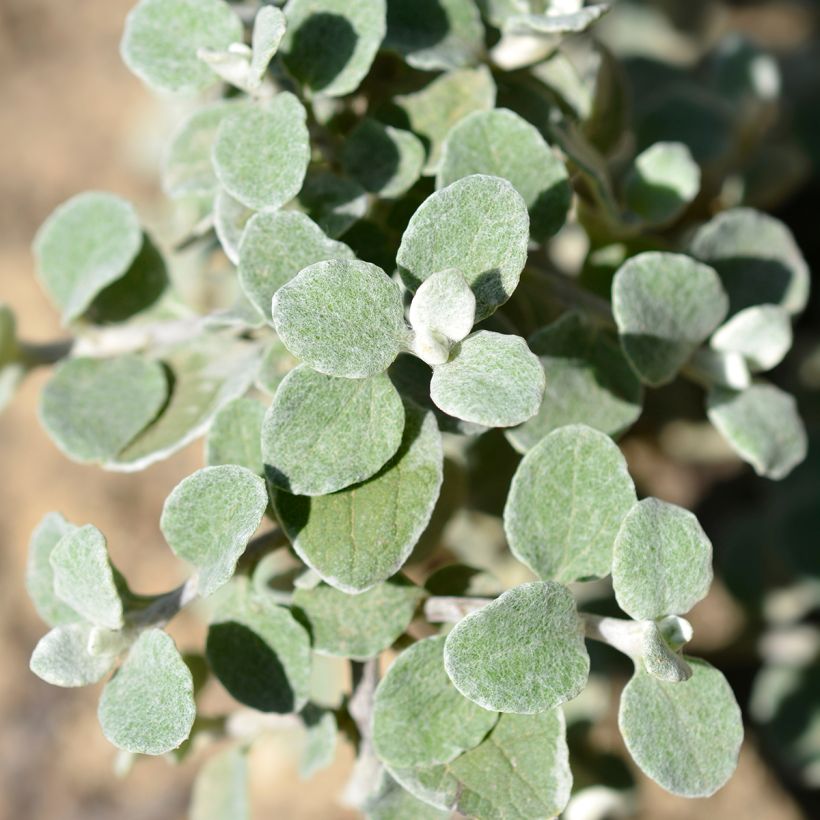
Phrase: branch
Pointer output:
(446, 609)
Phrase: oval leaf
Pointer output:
(61, 657)
(234, 437)
(221, 788)
(761, 334)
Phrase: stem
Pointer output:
(360, 708)
(571, 295)
(446, 609)
(625, 636)
(37, 355)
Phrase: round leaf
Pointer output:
(480, 226)
(522, 653)
(343, 318)
(665, 306)
(566, 503)
(268, 30)
(148, 706)
(61, 657)
(230, 218)
(662, 562)
(761, 334)
(419, 717)
(221, 788)
(209, 518)
(234, 437)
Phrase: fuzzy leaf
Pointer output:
(234, 437)
(566, 503)
(221, 788)
(333, 202)
(209, 518)
(61, 657)
(685, 735)
(148, 706)
(268, 30)
(343, 318)
(362, 535)
(662, 562)
(330, 44)
(415, 685)
(259, 652)
(478, 225)
(320, 743)
(390, 801)
(579, 18)
(503, 144)
(762, 425)
(162, 37)
(230, 218)
(261, 153)
(761, 334)
(275, 247)
(665, 306)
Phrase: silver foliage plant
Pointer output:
(395, 194)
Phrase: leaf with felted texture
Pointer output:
(568, 17)
(390, 801)
(222, 789)
(230, 218)
(762, 334)
(61, 657)
(335, 203)
(234, 437)
(268, 30)
(320, 743)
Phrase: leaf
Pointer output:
(320, 743)
(713, 367)
(333, 202)
(419, 717)
(757, 259)
(259, 652)
(276, 364)
(665, 306)
(268, 30)
(221, 788)
(762, 334)
(39, 574)
(384, 160)
(588, 381)
(148, 706)
(275, 247)
(520, 771)
(162, 37)
(566, 503)
(61, 657)
(230, 218)
(210, 516)
(762, 425)
(390, 801)
(86, 243)
(578, 19)
(234, 437)
(261, 153)
(478, 225)
(442, 312)
(344, 318)
(357, 626)
(435, 35)
(491, 379)
(207, 373)
(522, 653)
(433, 110)
(662, 562)
(84, 578)
(362, 535)
(662, 181)
(330, 44)
(686, 736)
(503, 144)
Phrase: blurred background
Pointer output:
(73, 118)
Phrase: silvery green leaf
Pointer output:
(162, 37)
(757, 259)
(520, 771)
(555, 22)
(276, 364)
(330, 44)
(234, 437)
(589, 381)
(84, 578)
(503, 144)
(320, 743)
(390, 801)
(762, 334)
(268, 31)
(148, 706)
(662, 561)
(275, 247)
(61, 657)
(344, 318)
(259, 652)
(686, 735)
(522, 653)
(221, 788)
(658, 657)
(762, 425)
(324, 433)
(230, 219)
(231, 64)
(566, 503)
(435, 109)
(362, 535)
(496, 12)
(491, 379)
(210, 516)
(384, 160)
(333, 202)
(665, 306)
(261, 153)
(357, 626)
(436, 37)
(207, 373)
(416, 684)
(479, 225)
(714, 367)
(662, 181)
(39, 574)
(86, 243)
